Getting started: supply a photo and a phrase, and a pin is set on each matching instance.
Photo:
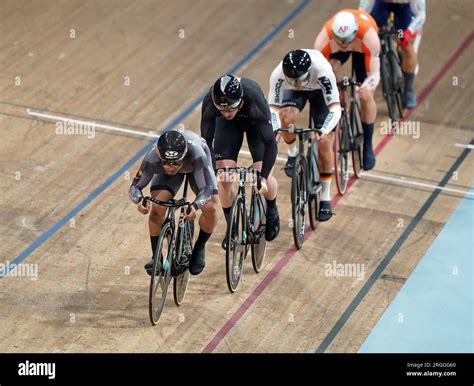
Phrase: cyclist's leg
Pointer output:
(293, 104)
(228, 140)
(368, 112)
(257, 149)
(319, 113)
(163, 187)
(207, 224)
(416, 45)
(403, 17)
(380, 12)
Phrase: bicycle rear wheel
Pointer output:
(398, 84)
(341, 154)
(299, 199)
(357, 137)
(387, 87)
(236, 244)
(184, 249)
(161, 273)
(258, 216)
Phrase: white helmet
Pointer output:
(344, 27)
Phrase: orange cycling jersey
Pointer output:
(366, 42)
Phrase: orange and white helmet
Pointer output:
(344, 27)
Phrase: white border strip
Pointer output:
(464, 146)
(97, 125)
(415, 183)
(149, 134)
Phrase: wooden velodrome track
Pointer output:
(64, 203)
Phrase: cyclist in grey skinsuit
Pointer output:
(166, 182)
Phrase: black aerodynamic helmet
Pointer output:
(227, 92)
(296, 64)
(172, 146)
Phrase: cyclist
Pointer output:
(175, 155)
(354, 32)
(231, 107)
(409, 16)
(305, 75)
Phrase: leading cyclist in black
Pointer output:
(233, 106)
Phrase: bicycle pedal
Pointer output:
(318, 189)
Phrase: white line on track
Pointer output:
(415, 183)
(464, 146)
(95, 124)
(149, 134)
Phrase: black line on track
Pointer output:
(388, 257)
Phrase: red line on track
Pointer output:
(290, 252)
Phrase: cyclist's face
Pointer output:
(342, 45)
(229, 115)
(172, 169)
(299, 84)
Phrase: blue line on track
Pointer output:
(56, 227)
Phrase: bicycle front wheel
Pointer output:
(236, 244)
(387, 87)
(184, 249)
(398, 84)
(161, 273)
(299, 199)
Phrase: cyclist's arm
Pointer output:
(419, 9)
(332, 118)
(371, 50)
(269, 156)
(335, 64)
(204, 178)
(142, 179)
(208, 125)
(262, 119)
(366, 5)
(328, 84)
(275, 95)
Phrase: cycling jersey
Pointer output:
(408, 13)
(254, 118)
(366, 42)
(321, 77)
(197, 163)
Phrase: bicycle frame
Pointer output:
(343, 85)
(163, 268)
(301, 134)
(243, 172)
(391, 72)
(172, 205)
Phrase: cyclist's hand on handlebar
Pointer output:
(142, 209)
(408, 35)
(320, 135)
(362, 91)
(263, 186)
(190, 213)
